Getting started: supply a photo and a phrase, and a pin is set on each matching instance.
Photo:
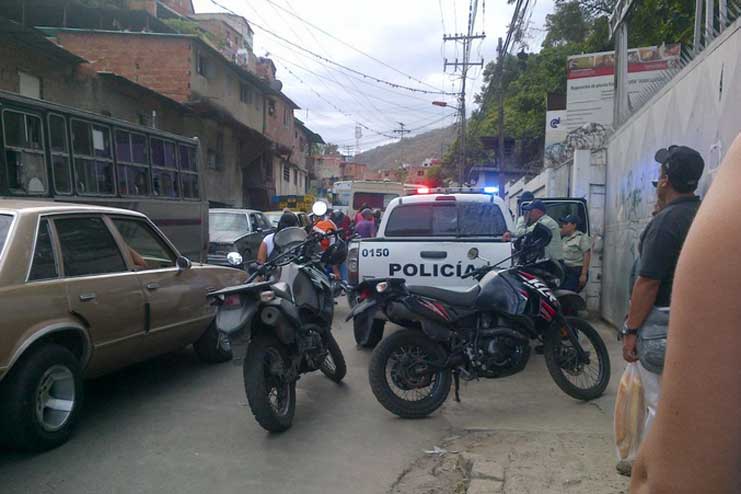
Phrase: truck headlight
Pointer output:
(234, 258)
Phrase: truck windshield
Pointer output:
(464, 219)
(374, 200)
(5, 221)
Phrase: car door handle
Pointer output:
(87, 297)
(433, 254)
(152, 286)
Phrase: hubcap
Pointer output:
(409, 373)
(55, 398)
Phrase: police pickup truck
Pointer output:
(425, 240)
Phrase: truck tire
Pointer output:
(41, 399)
(213, 347)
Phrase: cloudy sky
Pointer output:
(405, 38)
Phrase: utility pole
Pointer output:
(500, 150)
(401, 131)
(464, 64)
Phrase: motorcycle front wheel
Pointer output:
(405, 376)
(581, 379)
(334, 366)
(271, 397)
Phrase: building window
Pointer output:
(295, 177)
(271, 107)
(245, 94)
(30, 85)
(286, 173)
(285, 116)
(421, 173)
(201, 64)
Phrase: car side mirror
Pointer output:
(183, 263)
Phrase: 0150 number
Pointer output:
(374, 252)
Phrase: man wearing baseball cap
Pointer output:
(534, 213)
(645, 329)
(577, 253)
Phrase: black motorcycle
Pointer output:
(288, 325)
(483, 332)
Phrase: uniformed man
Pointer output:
(534, 214)
(577, 254)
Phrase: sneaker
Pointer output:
(624, 467)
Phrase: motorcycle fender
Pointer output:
(233, 321)
(362, 307)
(571, 302)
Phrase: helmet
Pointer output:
(531, 247)
(335, 253)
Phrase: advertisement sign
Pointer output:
(591, 79)
(555, 127)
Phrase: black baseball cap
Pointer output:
(527, 196)
(536, 204)
(569, 218)
(683, 166)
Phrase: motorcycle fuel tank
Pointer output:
(499, 291)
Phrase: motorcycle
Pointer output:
(287, 325)
(483, 332)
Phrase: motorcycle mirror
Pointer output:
(473, 253)
(319, 208)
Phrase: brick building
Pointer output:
(354, 171)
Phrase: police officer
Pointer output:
(534, 213)
(577, 254)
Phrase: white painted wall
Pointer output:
(700, 108)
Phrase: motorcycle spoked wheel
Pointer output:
(583, 380)
(334, 366)
(403, 377)
(271, 397)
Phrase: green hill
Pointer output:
(412, 150)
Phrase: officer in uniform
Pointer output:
(577, 254)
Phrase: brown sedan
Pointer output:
(85, 290)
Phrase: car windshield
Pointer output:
(227, 222)
(5, 221)
(446, 219)
(274, 218)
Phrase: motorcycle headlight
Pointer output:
(234, 258)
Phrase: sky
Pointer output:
(397, 41)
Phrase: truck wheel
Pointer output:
(213, 347)
(41, 399)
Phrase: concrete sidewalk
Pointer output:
(524, 435)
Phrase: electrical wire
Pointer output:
(327, 60)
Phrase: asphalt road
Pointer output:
(176, 425)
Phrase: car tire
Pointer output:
(212, 347)
(41, 399)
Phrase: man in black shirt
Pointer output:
(661, 241)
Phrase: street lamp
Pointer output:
(445, 104)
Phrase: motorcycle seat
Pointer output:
(282, 290)
(452, 297)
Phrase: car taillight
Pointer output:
(364, 294)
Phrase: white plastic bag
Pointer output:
(630, 413)
(651, 389)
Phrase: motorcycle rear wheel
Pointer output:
(404, 351)
(578, 379)
(334, 366)
(271, 398)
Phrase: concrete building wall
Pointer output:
(699, 108)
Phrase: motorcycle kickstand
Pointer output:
(457, 384)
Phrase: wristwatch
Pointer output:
(628, 331)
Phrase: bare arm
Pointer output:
(262, 253)
(695, 443)
(642, 301)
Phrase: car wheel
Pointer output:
(41, 399)
(213, 347)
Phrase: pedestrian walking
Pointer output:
(577, 254)
(646, 325)
(695, 443)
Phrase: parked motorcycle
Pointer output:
(288, 325)
(483, 332)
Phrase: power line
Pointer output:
(410, 77)
(325, 59)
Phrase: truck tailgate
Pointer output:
(427, 262)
